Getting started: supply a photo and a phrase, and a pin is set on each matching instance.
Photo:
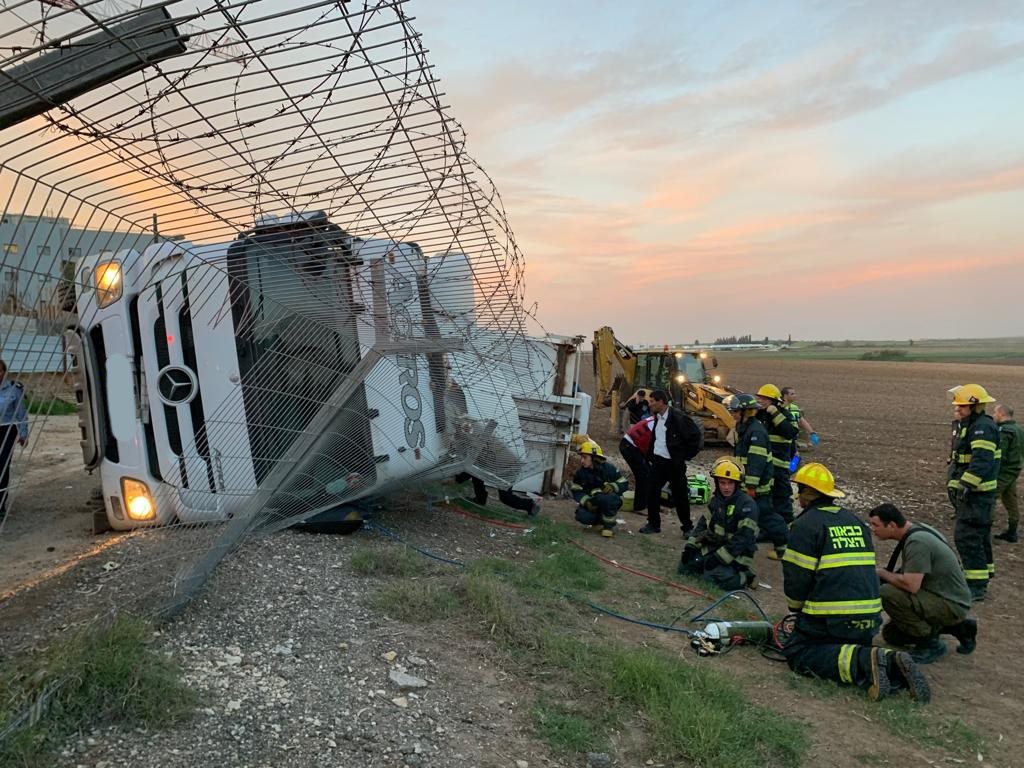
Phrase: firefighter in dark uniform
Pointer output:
(781, 434)
(597, 487)
(753, 455)
(973, 471)
(722, 546)
(830, 583)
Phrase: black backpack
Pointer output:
(692, 432)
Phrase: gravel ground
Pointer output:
(293, 670)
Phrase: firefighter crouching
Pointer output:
(597, 487)
(830, 584)
(971, 485)
(722, 546)
(753, 455)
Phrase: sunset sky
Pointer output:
(687, 170)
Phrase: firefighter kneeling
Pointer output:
(831, 585)
(597, 487)
(722, 546)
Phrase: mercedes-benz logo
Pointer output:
(176, 385)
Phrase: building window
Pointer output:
(74, 253)
(44, 250)
(10, 248)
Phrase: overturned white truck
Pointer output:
(307, 369)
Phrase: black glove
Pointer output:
(963, 492)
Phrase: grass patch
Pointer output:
(52, 406)
(905, 719)
(566, 569)
(566, 730)
(103, 677)
(391, 561)
(692, 711)
(695, 711)
(416, 602)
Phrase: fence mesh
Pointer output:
(249, 241)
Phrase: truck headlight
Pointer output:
(717, 379)
(107, 277)
(137, 499)
(681, 379)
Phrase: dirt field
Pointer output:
(884, 430)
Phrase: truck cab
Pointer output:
(201, 371)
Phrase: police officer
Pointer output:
(753, 455)
(722, 546)
(13, 429)
(781, 434)
(971, 485)
(830, 583)
(597, 487)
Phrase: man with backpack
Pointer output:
(926, 595)
(676, 438)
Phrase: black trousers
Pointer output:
(832, 649)
(8, 437)
(673, 472)
(782, 495)
(640, 468)
(507, 496)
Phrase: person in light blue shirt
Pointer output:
(13, 429)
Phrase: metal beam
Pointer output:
(45, 82)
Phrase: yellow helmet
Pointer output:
(971, 394)
(727, 469)
(770, 390)
(817, 476)
(590, 448)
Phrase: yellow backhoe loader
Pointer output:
(688, 375)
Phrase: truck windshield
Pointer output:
(295, 332)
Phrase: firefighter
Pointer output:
(782, 432)
(1011, 446)
(830, 583)
(597, 487)
(753, 455)
(722, 546)
(973, 472)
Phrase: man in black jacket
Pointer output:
(668, 463)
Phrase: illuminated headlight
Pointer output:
(678, 355)
(137, 499)
(680, 379)
(717, 379)
(703, 355)
(107, 277)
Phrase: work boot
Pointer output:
(880, 686)
(1009, 536)
(906, 674)
(966, 632)
(899, 638)
(928, 651)
(978, 591)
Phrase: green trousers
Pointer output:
(1007, 493)
(921, 615)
